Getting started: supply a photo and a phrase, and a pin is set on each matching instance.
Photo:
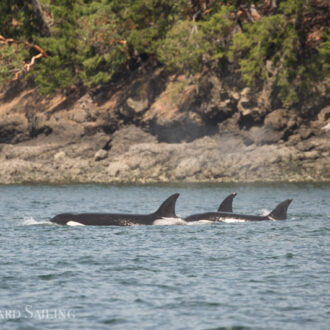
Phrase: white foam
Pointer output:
(31, 222)
(264, 212)
(74, 223)
(169, 222)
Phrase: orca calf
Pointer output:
(227, 203)
(166, 210)
(279, 213)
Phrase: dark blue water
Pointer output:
(265, 275)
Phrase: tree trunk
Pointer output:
(44, 28)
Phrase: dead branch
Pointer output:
(27, 66)
(4, 40)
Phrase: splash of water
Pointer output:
(30, 221)
(264, 212)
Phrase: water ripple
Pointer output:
(267, 275)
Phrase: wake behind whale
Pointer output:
(30, 221)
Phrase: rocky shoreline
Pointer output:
(153, 128)
(136, 157)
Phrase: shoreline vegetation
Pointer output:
(144, 92)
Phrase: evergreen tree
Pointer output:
(18, 25)
(88, 41)
(280, 41)
(62, 67)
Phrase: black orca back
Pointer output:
(166, 210)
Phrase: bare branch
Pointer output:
(27, 66)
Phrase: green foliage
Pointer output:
(324, 54)
(11, 58)
(61, 69)
(218, 29)
(189, 45)
(273, 46)
(114, 32)
(183, 48)
(177, 90)
(17, 20)
(269, 39)
(102, 49)
(91, 40)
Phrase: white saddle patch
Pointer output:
(169, 222)
(199, 222)
(232, 220)
(74, 223)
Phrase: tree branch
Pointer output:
(27, 66)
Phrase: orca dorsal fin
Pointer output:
(227, 203)
(279, 213)
(167, 209)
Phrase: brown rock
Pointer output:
(138, 105)
(312, 154)
(294, 139)
(305, 133)
(324, 114)
(305, 146)
(59, 156)
(13, 128)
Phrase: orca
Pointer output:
(279, 213)
(227, 203)
(166, 210)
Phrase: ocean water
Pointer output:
(244, 275)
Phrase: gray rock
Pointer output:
(79, 116)
(264, 135)
(187, 167)
(117, 168)
(128, 136)
(100, 155)
(221, 158)
(281, 119)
